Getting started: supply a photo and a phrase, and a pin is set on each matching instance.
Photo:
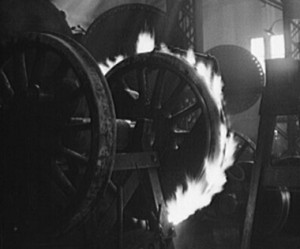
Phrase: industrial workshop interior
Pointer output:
(150, 124)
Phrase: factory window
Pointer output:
(277, 46)
(271, 47)
(258, 49)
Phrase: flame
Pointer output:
(213, 82)
(109, 64)
(145, 43)
(201, 189)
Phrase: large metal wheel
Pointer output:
(57, 127)
(167, 91)
(243, 77)
(108, 38)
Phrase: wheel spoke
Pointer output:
(75, 94)
(178, 136)
(74, 155)
(61, 70)
(245, 146)
(133, 94)
(142, 84)
(169, 105)
(38, 66)
(158, 90)
(185, 112)
(62, 180)
(59, 197)
(20, 73)
(5, 86)
(79, 124)
(240, 151)
(72, 95)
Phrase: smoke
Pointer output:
(83, 13)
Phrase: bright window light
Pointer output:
(258, 49)
(277, 46)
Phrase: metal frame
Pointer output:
(186, 18)
(291, 36)
(188, 15)
(273, 3)
(263, 173)
(278, 99)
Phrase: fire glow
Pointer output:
(105, 67)
(200, 189)
(144, 44)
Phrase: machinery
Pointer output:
(105, 38)
(61, 139)
(77, 151)
(88, 161)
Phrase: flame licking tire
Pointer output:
(200, 189)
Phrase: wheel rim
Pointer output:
(243, 77)
(64, 140)
(106, 38)
(168, 91)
